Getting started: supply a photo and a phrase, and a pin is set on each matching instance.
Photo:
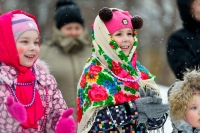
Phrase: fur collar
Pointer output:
(183, 126)
(42, 66)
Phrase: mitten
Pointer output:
(66, 124)
(17, 110)
(142, 118)
(150, 93)
(150, 104)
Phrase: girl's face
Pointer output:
(193, 112)
(28, 47)
(124, 38)
(195, 9)
(73, 29)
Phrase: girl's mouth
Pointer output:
(29, 56)
(124, 47)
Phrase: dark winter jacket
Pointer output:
(183, 49)
(127, 121)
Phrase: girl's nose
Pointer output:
(32, 47)
(125, 38)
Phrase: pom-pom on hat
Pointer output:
(67, 12)
(116, 19)
(22, 23)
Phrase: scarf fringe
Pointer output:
(160, 130)
(89, 124)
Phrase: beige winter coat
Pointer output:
(66, 57)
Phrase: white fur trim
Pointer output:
(42, 65)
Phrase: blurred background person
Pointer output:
(183, 49)
(68, 49)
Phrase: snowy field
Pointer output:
(163, 91)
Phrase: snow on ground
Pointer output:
(163, 91)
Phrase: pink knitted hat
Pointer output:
(116, 19)
(120, 20)
(22, 23)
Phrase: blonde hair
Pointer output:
(182, 93)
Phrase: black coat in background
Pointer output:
(183, 49)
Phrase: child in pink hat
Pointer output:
(111, 96)
(29, 99)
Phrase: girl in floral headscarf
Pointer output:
(112, 77)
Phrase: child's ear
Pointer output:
(105, 14)
(137, 22)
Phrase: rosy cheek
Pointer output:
(118, 43)
(20, 50)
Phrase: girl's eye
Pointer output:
(36, 43)
(118, 34)
(24, 41)
(193, 108)
(130, 34)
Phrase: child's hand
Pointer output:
(17, 110)
(142, 118)
(150, 104)
(152, 110)
(66, 124)
(150, 93)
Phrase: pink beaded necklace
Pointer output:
(24, 84)
(122, 79)
(33, 99)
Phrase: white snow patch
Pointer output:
(163, 91)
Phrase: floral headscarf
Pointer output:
(109, 77)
